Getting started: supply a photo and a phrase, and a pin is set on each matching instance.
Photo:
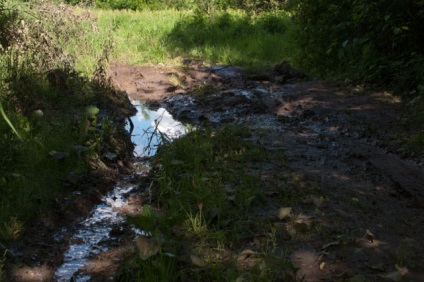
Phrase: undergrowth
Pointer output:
(205, 195)
(50, 130)
(234, 38)
(153, 37)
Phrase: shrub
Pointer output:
(374, 41)
(7, 21)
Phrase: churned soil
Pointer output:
(366, 219)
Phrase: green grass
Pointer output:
(203, 184)
(30, 177)
(137, 37)
(204, 202)
(152, 37)
(234, 37)
(45, 100)
(2, 261)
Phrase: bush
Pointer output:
(374, 41)
(7, 21)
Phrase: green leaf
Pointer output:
(197, 261)
(345, 43)
(91, 110)
(8, 121)
(392, 276)
(147, 247)
(341, 54)
(284, 212)
(405, 27)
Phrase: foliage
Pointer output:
(202, 5)
(44, 99)
(2, 261)
(140, 37)
(233, 37)
(202, 196)
(373, 41)
(7, 19)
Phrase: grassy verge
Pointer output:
(137, 37)
(50, 128)
(234, 38)
(214, 211)
(152, 37)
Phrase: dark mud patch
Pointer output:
(365, 218)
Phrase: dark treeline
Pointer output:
(380, 42)
(205, 5)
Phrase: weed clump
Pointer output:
(205, 195)
(49, 139)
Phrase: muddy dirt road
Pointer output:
(370, 217)
(368, 220)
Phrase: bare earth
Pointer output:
(367, 219)
(370, 219)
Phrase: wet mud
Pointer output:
(369, 218)
(344, 142)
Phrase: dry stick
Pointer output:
(157, 122)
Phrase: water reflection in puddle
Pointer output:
(150, 126)
(94, 233)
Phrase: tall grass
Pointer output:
(234, 37)
(138, 37)
(43, 103)
(152, 37)
(207, 194)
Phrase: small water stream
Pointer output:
(94, 235)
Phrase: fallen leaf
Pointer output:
(377, 266)
(402, 270)
(322, 265)
(334, 243)
(197, 261)
(370, 237)
(392, 276)
(248, 252)
(58, 155)
(147, 247)
(284, 212)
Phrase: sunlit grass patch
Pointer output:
(152, 37)
(137, 37)
(233, 37)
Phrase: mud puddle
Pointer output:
(342, 143)
(104, 228)
(149, 128)
(368, 216)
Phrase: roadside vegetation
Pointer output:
(209, 200)
(55, 119)
(50, 129)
